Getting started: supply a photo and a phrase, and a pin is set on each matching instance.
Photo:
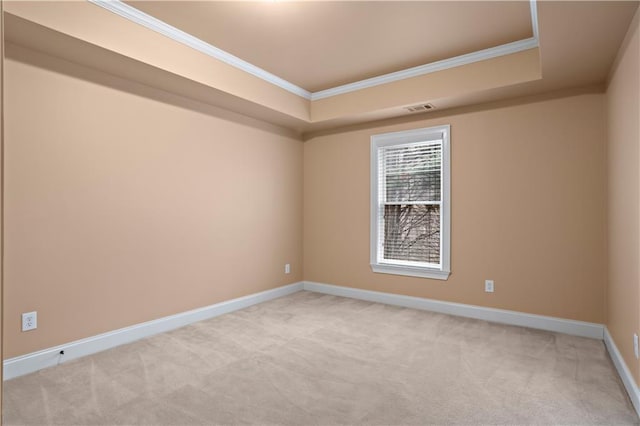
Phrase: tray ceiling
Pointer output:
(320, 45)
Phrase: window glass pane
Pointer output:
(420, 186)
(412, 232)
(412, 173)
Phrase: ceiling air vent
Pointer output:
(420, 108)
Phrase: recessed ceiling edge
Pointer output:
(137, 16)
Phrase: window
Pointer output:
(410, 199)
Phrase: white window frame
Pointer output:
(415, 269)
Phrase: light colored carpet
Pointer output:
(312, 359)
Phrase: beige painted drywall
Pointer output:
(509, 70)
(123, 205)
(99, 27)
(623, 134)
(528, 209)
(570, 55)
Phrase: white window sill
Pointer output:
(412, 271)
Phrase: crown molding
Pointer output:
(134, 15)
(533, 4)
(469, 58)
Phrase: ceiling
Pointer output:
(314, 46)
(322, 44)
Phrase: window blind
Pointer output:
(410, 196)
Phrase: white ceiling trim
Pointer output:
(161, 27)
(141, 18)
(469, 58)
(534, 18)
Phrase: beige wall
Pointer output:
(125, 204)
(121, 208)
(101, 28)
(528, 209)
(623, 124)
(477, 77)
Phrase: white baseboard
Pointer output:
(577, 328)
(29, 363)
(623, 370)
(35, 361)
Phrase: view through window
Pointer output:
(410, 213)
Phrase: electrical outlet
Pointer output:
(488, 286)
(635, 345)
(29, 321)
(287, 268)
